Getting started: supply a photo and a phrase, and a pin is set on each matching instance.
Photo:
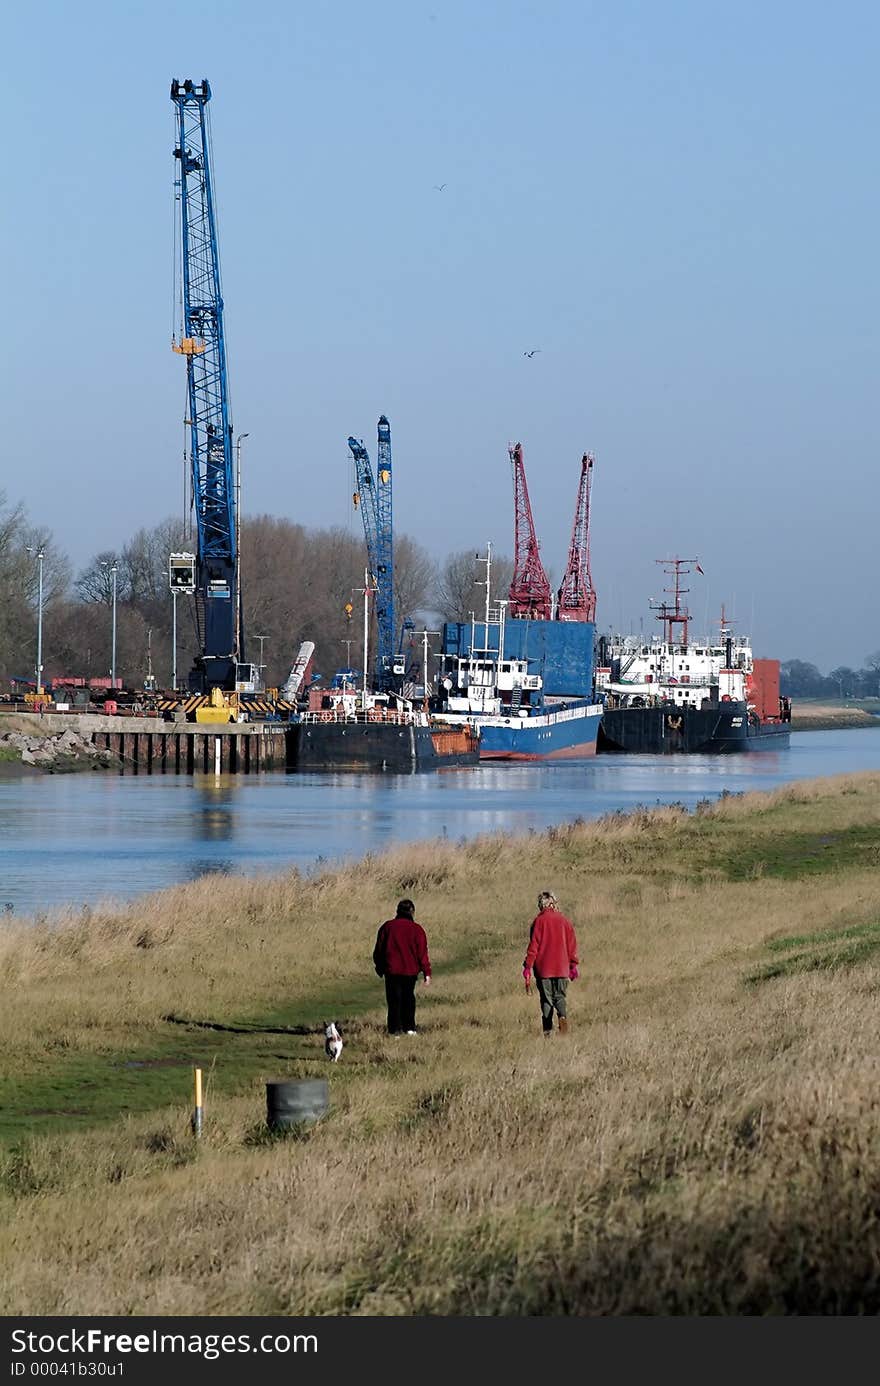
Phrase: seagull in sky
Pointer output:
(438, 187)
(530, 354)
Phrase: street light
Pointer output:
(366, 589)
(261, 665)
(238, 544)
(112, 568)
(39, 667)
(425, 634)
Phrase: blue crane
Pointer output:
(373, 497)
(203, 344)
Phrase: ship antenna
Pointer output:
(673, 613)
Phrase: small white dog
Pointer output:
(332, 1041)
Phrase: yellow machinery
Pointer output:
(220, 708)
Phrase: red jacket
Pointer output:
(552, 946)
(401, 949)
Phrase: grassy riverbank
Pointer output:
(706, 1140)
(822, 714)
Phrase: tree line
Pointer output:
(801, 680)
(298, 583)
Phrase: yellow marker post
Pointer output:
(198, 1109)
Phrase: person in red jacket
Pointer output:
(553, 954)
(401, 953)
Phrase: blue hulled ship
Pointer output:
(525, 707)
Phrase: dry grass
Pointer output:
(705, 1141)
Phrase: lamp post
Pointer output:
(238, 546)
(261, 665)
(105, 563)
(174, 639)
(425, 634)
(40, 554)
(366, 589)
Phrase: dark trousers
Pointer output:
(400, 993)
(552, 992)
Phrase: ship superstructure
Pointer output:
(673, 693)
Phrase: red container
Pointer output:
(765, 688)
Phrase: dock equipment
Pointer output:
(576, 599)
(373, 497)
(202, 343)
(529, 594)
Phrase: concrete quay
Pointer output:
(150, 745)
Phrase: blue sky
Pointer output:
(677, 203)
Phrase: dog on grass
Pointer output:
(332, 1041)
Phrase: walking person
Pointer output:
(553, 954)
(401, 953)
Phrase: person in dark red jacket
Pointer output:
(553, 954)
(401, 953)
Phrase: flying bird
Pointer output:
(530, 354)
(439, 187)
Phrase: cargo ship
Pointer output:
(481, 684)
(672, 695)
(346, 728)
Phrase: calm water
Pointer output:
(74, 839)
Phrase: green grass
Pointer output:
(828, 950)
(59, 1091)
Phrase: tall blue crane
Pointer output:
(373, 496)
(203, 344)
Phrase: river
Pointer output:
(76, 839)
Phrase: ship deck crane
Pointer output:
(373, 497)
(576, 599)
(529, 594)
(203, 345)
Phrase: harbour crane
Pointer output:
(576, 599)
(214, 568)
(373, 497)
(529, 594)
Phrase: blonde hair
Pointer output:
(546, 900)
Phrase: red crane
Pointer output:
(576, 599)
(529, 594)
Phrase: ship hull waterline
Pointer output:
(569, 734)
(688, 731)
(374, 746)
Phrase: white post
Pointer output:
(366, 630)
(238, 544)
(113, 647)
(174, 639)
(488, 587)
(40, 621)
(425, 634)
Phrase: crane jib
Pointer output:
(374, 498)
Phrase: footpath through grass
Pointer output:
(704, 1141)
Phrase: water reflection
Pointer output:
(214, 817)
(209, 866)
(74, 839)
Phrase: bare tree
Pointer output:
(459, 591)
(415, 577)
(95, 582)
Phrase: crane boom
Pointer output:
(202, 343)
(374, 496)
(529, 593)
(576, 600)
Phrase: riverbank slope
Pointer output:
(822, 715)
(706, 1140)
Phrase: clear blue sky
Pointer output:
(676, 202)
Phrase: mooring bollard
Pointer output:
(198, 1109)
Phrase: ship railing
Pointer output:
(393, 718)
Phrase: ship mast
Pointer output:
(674, 613)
